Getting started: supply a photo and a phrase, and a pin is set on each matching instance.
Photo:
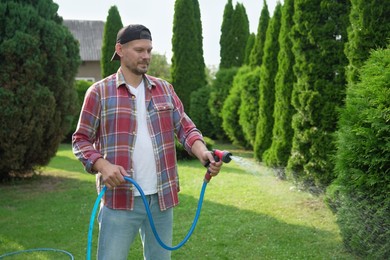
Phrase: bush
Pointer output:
(200, 112)
(219, 91)
(360, 194)
(231, 106)
(249, 108)
(81, 88)
(39, 59)
(182, 154)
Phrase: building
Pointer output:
(90, 37)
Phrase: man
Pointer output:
(127, 127)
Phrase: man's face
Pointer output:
(136, 55)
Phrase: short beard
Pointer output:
(138, 71)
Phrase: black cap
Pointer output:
(130, 33)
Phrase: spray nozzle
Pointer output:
(225, 156)
(218, 155)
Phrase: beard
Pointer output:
(139, 69)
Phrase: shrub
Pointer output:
(182, 154)
(249, 108)
(200, 112)
(39, 59)
(231, 106)
(81, 88)
(219, 91)
(360, 194)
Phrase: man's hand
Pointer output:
(112, 174)
(213, 167)
(204, 155)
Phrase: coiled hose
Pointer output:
(150, 217)
(37, 250)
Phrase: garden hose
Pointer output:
(217, 154)
(150, 217)
(37, 250)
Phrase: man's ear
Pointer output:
(118, 49)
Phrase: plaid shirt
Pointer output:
(107, 128)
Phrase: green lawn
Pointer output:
(247, 214)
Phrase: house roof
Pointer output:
(90, 37)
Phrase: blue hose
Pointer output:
(97, 202)
(38, 250)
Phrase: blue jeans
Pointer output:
(118, 229)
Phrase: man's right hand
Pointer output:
(112, 174)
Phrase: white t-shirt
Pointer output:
(143, 157)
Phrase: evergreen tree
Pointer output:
(319, 34)
(360, 194)
(201, 113)
(268, 70)
(248, 48)
(220, 88)
(369, 29)
(277, 155)
(241, 34)
(256, 56)
(39, 59)
(234, 36)
(188, 68)
(227, 37)
(111, 27)
(231, 106)
(249, 109)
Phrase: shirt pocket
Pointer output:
(164, 113)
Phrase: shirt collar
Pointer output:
(121, 80)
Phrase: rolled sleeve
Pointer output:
(84, 137)
(190, 140)
(90, 162)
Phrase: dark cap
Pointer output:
(130, 33)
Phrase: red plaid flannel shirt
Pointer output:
(107, 129)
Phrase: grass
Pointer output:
(247, 214)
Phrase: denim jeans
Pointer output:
(118, 229)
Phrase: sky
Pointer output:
(157, 15)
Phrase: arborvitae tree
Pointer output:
(277, 155)
(241, 34)
(369, 29)
(248, 48)
(227, 37)
(201, 113)
(249, 109)
(188, 68)
(39, 59)
(234, 36)
(220, 88)
(111, 27)
(231, 106)
(268, 70)
(360, 194)
(256, 56)
(318, 34)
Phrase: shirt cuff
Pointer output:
(190, 140)
(90, 162)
